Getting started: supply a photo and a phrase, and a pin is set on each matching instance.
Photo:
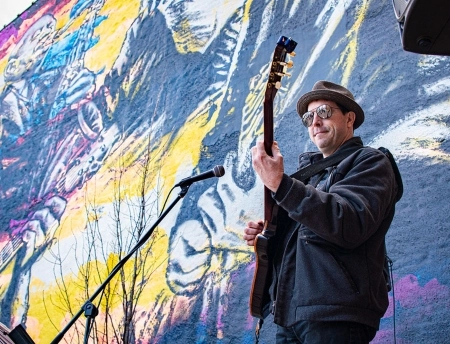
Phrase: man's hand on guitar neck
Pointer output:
(269, 168)
(252, 230)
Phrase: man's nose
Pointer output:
(316, 120)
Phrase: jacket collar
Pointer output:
(351, 144)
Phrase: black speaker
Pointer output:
(424, 25)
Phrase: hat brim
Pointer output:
(350, 104)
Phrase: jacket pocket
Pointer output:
(345, 272)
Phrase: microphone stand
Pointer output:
(88, 308)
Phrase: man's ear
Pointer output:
(351, 118)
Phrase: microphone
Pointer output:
(217, 171)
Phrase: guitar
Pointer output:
(8, 250)
(259, 295)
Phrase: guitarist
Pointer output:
(328, 284)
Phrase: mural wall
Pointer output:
(105, 105)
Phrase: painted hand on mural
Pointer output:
(27, 241)
(35, 232)
(204, 254)
(212, 248)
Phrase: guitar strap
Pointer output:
(310, 170)
(306, 172)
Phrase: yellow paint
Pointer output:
(348, 56)
(63, 16)
(429, 148)
(246, 17)
(185, 40)
(187, 145)
(111, 31)
(251, 117)
(55, 302)
(3, 64)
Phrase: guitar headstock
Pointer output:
(285, 47)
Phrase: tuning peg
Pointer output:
(283, 74)
(288, 64)
(292, 53)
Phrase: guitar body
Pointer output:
(260, 297)
(264, 242)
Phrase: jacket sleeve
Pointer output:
(360, 198)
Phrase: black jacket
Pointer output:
(330, 254)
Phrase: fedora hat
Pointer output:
(327, 90)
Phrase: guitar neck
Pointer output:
(277, 71)
(268, 120)
(269, 229)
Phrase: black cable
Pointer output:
(165, 202)
(390, 264)
(258, 329)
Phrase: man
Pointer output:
(328, 283)
(36, 150)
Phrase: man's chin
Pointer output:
(320, 141)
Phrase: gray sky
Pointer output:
(10, 9)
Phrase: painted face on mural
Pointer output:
(31, 48)
(195, 23)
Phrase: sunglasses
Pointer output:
(323, 111)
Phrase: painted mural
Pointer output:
(106, 104)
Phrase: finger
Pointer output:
(276, 152)
(260, 144)
(250, 233)
(256, 225)
(258, 149)
(275, 146)
(248, 237)
(254, 151)
(250, 242)
(259, 222)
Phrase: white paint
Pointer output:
(418, 135)
(327, 22)
(206, 18)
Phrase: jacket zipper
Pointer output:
(281, 268)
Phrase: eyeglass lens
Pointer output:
(323, 111)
